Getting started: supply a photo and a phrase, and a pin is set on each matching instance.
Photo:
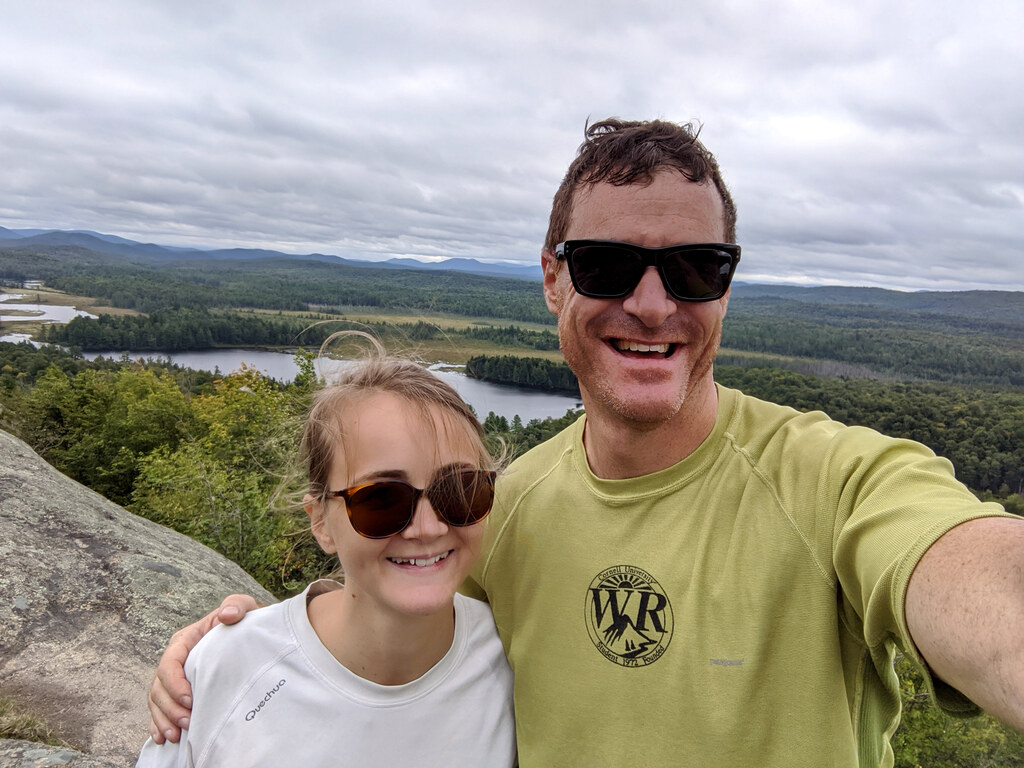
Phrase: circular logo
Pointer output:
(629, 617)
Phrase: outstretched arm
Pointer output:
(170, 697)
(965, 611)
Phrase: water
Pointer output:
(17, 338)
(504, 400)
(47, 313)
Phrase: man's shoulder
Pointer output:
(773, 435)
(749, 419)
(741, 403)
(545, 454)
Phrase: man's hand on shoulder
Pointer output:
(170, 697)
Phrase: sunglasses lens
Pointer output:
(463, 497)
(605, 271)
(612, 270)
(380, 510)
(697, 274)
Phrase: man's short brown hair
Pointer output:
(623, 152)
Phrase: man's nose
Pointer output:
(650, 302)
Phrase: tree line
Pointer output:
(175, 330)
(532, 372)
(962, 356)
(295, 284)
(980, 430)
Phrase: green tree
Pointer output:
(231, 484)
(97, 424)
(928, 738)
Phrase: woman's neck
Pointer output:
(388, 649)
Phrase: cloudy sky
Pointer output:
(866, 143)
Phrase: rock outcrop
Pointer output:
(26, 754)
(89, 596)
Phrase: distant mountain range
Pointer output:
(1005, 307)
(119, 246)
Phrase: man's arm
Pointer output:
(170, 697)
(965, 612)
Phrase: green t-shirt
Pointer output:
(740, 608)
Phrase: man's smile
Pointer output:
(626, 345)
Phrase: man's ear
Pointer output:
(551, 268)
(318, 524)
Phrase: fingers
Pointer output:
(167, 717)
(234, 608)
(170, 696)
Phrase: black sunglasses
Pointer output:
(460, 497)
(608, 269)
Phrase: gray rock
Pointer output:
(89, 596)
(28, 754)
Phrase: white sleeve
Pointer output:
(166, 755)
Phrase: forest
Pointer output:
(214, 456)
(297, 284)
(531, 372)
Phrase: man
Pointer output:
(688, 576)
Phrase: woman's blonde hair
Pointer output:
(323, 433)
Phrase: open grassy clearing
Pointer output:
(443, 349)
(55, 298)
(454, 349)
(52, 298)
(458, 322)
(458, 351)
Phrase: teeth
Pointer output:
(635, 346)
(420, 562)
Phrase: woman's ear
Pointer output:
(318, 523)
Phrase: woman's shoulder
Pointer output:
(263, 632)
(476, 619)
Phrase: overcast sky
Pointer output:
(865, 142)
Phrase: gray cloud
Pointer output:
(867, 143)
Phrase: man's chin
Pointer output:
(649, 404)
(640, 411)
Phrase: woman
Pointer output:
(393, 667)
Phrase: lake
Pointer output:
(47, 313)
(504, 400)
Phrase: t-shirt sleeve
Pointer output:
(471, 588)
(895, 499)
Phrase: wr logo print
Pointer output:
(629, 617)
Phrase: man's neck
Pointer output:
(618, 449)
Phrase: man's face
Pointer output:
(639, 359)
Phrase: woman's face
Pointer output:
(416, 571)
